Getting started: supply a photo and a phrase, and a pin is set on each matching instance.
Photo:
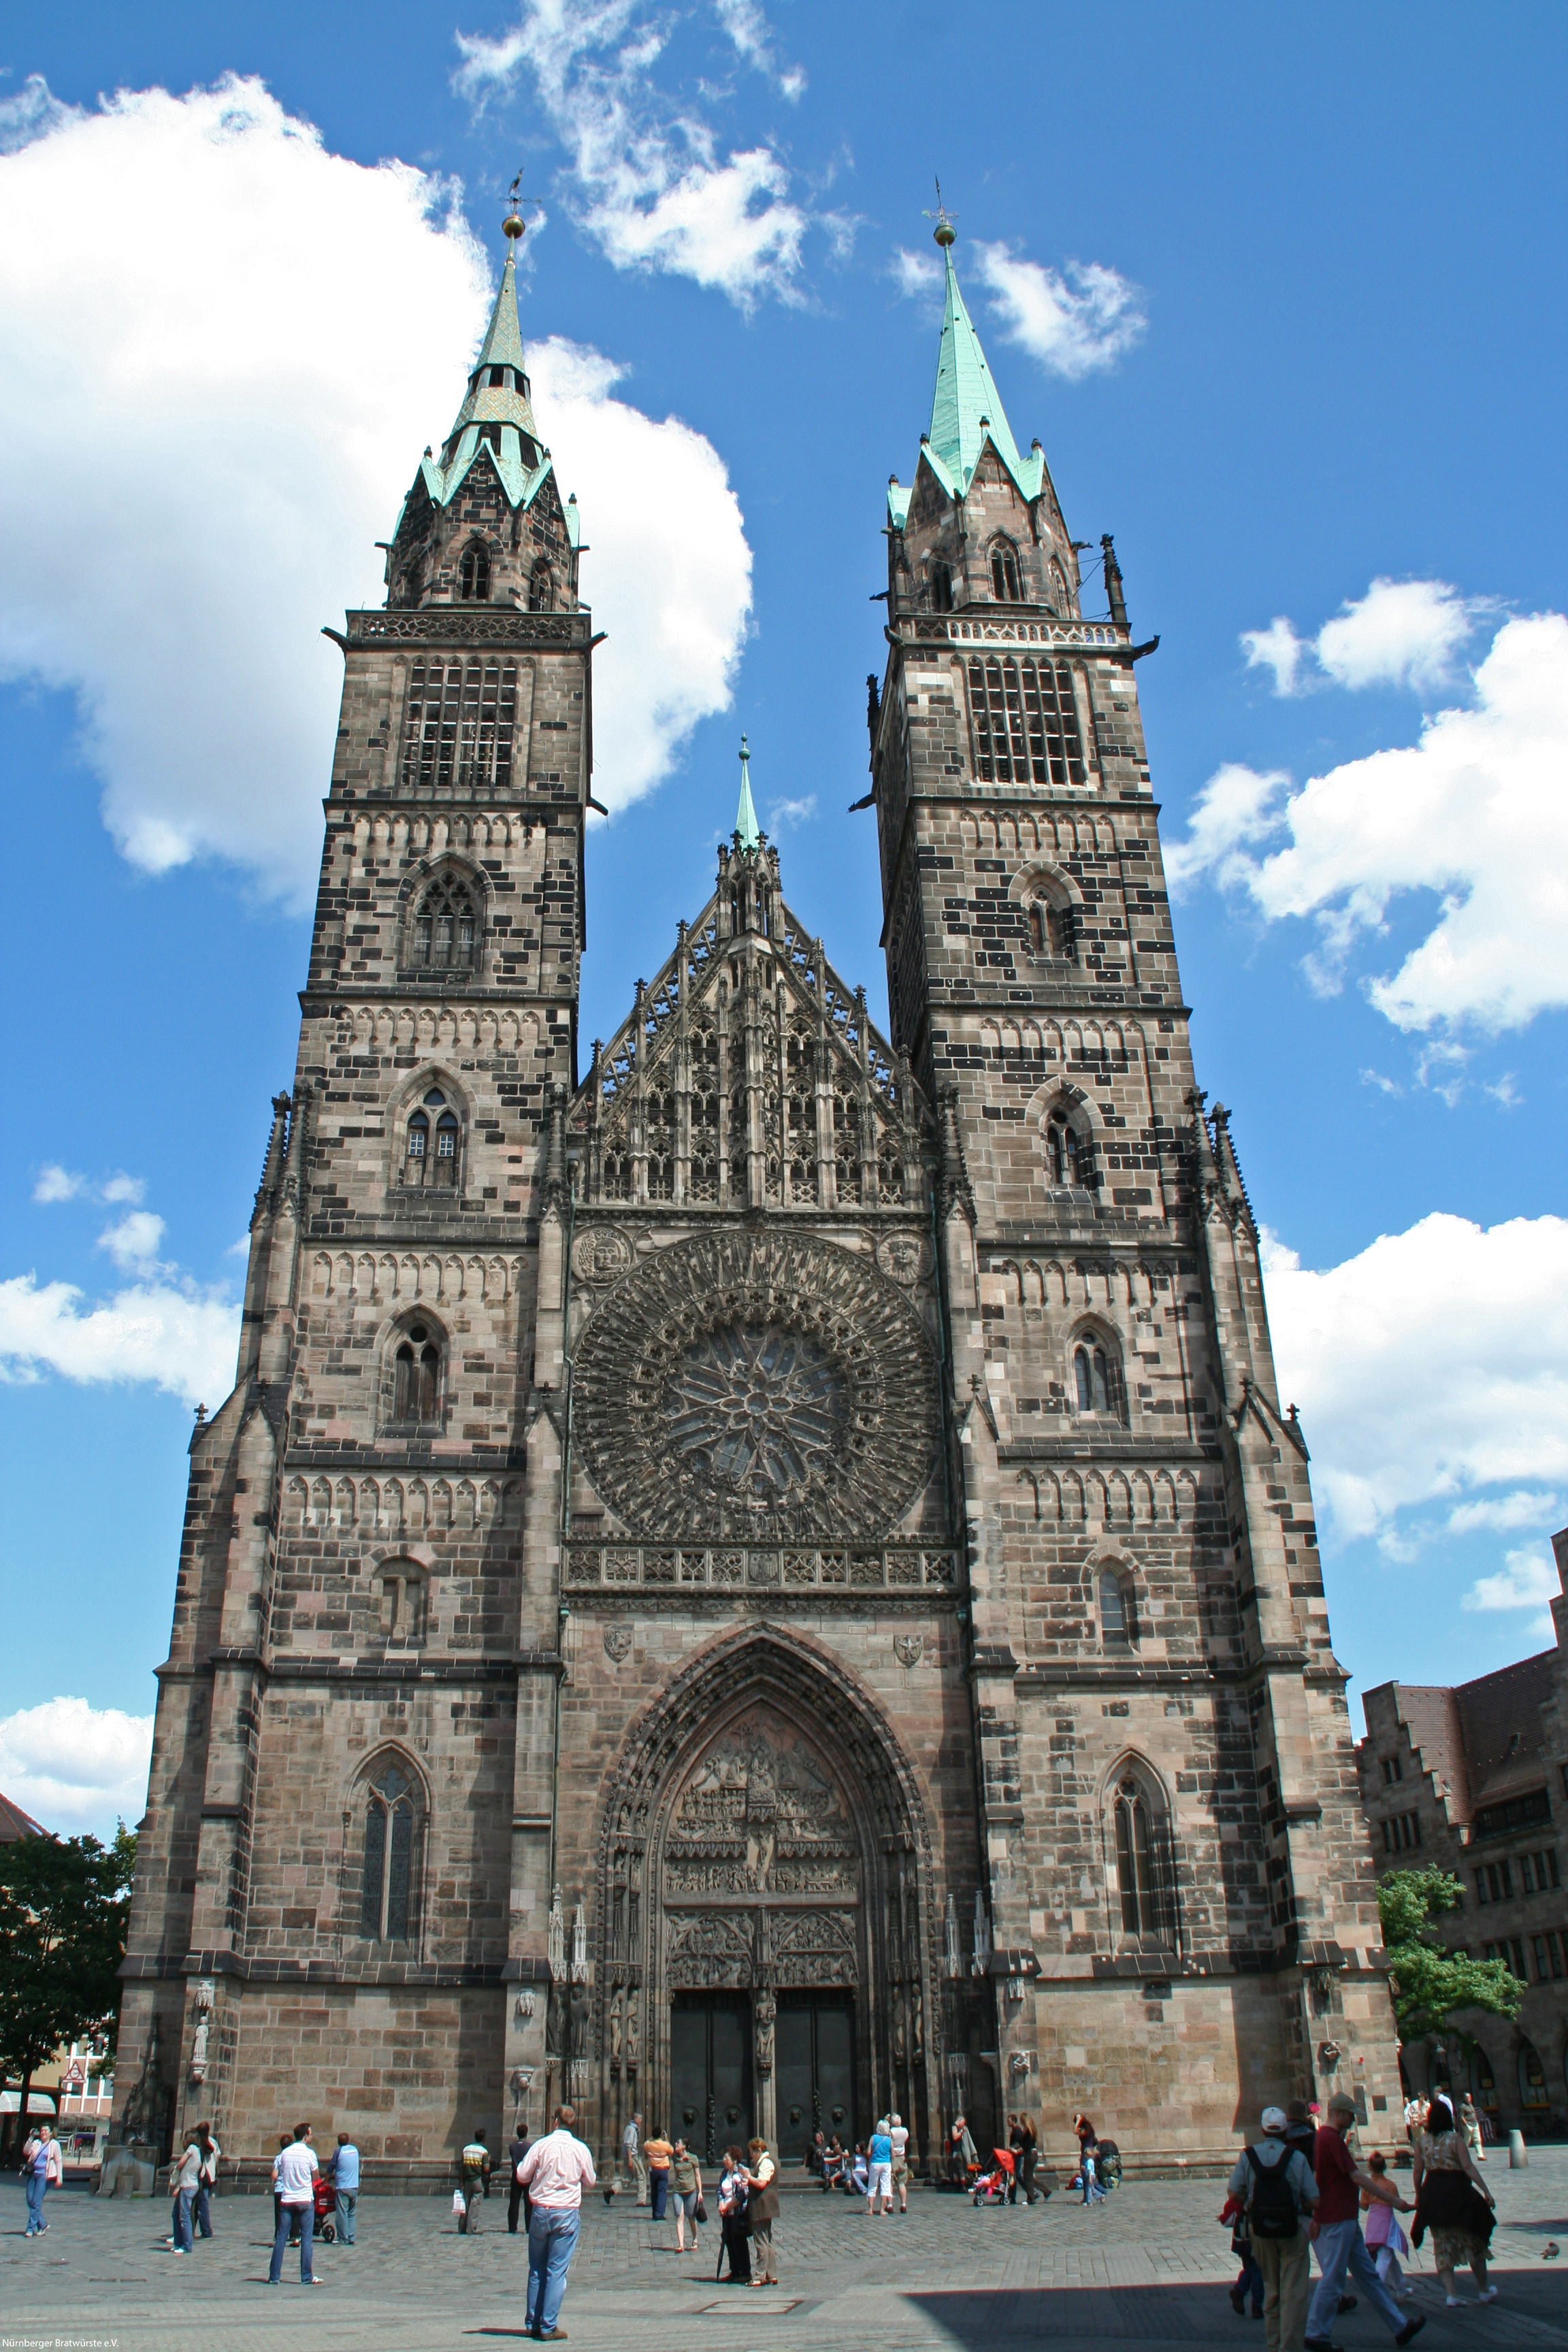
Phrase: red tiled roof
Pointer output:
(16, 1824)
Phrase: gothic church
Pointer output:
(757, 1574)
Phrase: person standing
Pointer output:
(556, 2172)
(516, 2194)
(1336, 2230)
(474, 2172)
(206, 2185)
(657, 2151)
(1453, 2201)
(185, 2179)
(1470, 2124)
(1274, 2188)
(294, 2174)
(762, 2209)
(879, 2170)
(737, 2242)
(686, 2183)
(286, 2143)
(632, 2164)
(1029, 2158)
(897, 2132)
(959, 2150)
(346, 2189)
(41, 2167)
(1386, 2241)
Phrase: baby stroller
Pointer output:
(1108, 2164)
(992, 2188)
(326, 2201)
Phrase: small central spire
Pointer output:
(748, 831)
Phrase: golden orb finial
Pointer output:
(514, 226)
(945, 232)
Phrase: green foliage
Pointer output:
(1429, 1983)
(65, 1904)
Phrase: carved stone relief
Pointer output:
(711, 1950)
(815, 1948)
(600, 1254)
(758, 1815)
(908, 1648)
(756, 1386)
(907, 1257)
(617, 1643)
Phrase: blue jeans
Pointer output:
(184, 2200)
(37, 2184)
(552, 2240)
(348, 2201)
(307, 2231)
(658, 2188)
(205, 2210)
(1250, 2283)
(1341, 2247)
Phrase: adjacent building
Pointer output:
(1474, 1780)
(755, 1571)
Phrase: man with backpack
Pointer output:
(1274, 2188)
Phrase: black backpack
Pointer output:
(1271, 2208)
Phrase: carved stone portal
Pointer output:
(758, 1815)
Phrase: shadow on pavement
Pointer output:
(1201, 2314)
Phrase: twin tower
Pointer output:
(757, 1575)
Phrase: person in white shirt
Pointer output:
(207, 2184)
(898, 2133)
(185, 2179)
(294, 2171)
(556, 2172)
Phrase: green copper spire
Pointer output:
(746, 824)
(966, 408)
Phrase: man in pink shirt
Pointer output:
(556, 2172)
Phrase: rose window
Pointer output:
(758, 1408)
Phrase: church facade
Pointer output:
(756, 1573)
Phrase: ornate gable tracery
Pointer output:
(749, 1074)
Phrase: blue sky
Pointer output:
(1283, 293)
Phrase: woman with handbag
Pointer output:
(1453, 2201)
(736, 2243)
(686, 2189)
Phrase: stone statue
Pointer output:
(615, 2028)
(634, 2027)
(555, 2022)
(766, 2012)
(952, 1959)
(579, 1945)
(578, 2013)
(199, 2052)
(981, 1935)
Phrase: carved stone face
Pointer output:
(756, 1386)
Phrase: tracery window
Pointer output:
(416, 1377)
(705, 1113)
(387, 1901)
(403, 1603)
(1115, 1607)
(1026, 722)
(474, 576)
(541, 588)
(1068, 1158)
(661, 1113)
(435, 1123)
(1136, 1851)
(1051, 930)
(941, 587)
(446, 928)
(800, 1113)
(1004, 574)
(458, 729)
(1093, 1377)
(846, 1116)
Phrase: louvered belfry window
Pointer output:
(1026, 722)
(460, 722)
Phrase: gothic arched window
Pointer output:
(1068, 1158)
(1004, 574)
(432, 1154)
(416, 1377)
(941, 587)
(446, 928)
(403, 1603)
(386, 1899)
(1116, 1623)
(1092, 1374)
(1136, 1848)
(541, 588)
(474, 576)
(1050, 931)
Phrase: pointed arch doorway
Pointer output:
(766, 1941)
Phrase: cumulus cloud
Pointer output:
(1072, 320)
(916, 275)
(747, 28)
(1429, 1367)
(1401, 633)
(783, 815)
(646, 177)
(179, 1339)
(134, 1243)
(232, 439)
(1474, 812)
(76, 1767)
(1526, 1579)
(1523, 1509)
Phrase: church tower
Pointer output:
(343, 1886)
(1165, 1777)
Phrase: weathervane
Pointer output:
(945, 232)
(514, 225)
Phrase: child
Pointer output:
(1251, 2279)
(1385, 2238)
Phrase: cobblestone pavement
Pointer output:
(1150, 2266)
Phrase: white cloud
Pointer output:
(668, 569)
(1522, 1508)
(1506, 1093)
(917, 274)
(1276, 648)
(646, 176)
(1528, 1580)
(1474, 812)
(132, 1244)
(1070, 320)
(123, 1188)
(1384, 1086)
(1431, 1366)
(76, 1767)
(747, 28)
(783, 815)
(236, 436)
(58, 1183)
(183, 1340)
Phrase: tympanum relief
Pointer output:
(758, 1816)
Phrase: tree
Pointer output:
(1428, 1982)
(65, 1904)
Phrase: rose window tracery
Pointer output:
(756, 1408)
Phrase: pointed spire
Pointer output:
(507, 402)
(746, 824)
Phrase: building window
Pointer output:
(1538, 1872)
(1532, 2091)
(941, 587)
(1403, 1832)
(1051, 930)
(1115, 1608)
(1135, 1852)
(446, 928)
(416, 1377)
(1392, 1770)
(474, 576)
(386, 1900)
(459, 725)
(1005, 575)
(434, 1123)
(402, 1604)
(1026, 722)
(1513, 1813)
(541, 589)
(1067, 1155)
(1096, 1386)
